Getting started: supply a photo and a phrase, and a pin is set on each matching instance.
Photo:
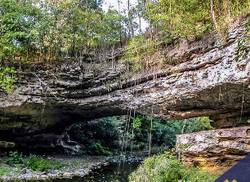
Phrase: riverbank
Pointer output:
(71, 167)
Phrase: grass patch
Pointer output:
(14, 163)
(7, 170)
(166, 168)
(37, 163)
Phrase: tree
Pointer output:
(34, 30)
(194, 17)
(112, 28)
(180, 18)
(18, 29)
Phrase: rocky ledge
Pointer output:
(72, 167)
(215, 149)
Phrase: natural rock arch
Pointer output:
(209, 81)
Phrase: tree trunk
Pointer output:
(130, 20)
(212, 12)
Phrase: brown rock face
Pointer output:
(216, 148)
(210, 81)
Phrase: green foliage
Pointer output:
(180, 18)
(15, 162)
(227, 12)
(137, 122)
(193, 17)
(7, 78)
(35, 31)
(101, 150)
(37, 163)
(197, 124)
(14, 158)
(138, 51)
(111, 29)
(97, 138)
(171, 19)
(19, 23)
(108, 134)
(93, 4)
(4, 171)
(164, 131)
(166, 168)
(243, 44)
(51, 30)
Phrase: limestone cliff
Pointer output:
(215, 149)
(211, 80)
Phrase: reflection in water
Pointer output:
(111, 173)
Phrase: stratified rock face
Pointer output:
(210, 81)
(220, 147)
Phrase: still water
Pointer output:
(111, 173)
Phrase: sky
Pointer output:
(114, 3)
(123, 6)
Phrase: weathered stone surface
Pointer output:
(210, 81)
(221, 148)
(4, 144)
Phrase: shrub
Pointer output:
(166, 168)
(7, 79)
(137, 122)
(14, 158)
(101, 150)
(138, 52)
(37, 163)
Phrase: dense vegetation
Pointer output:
(163, 132)
(166, 168)
(35, 31)
(193, 17)
(113, 135)
(14, 162)
(170, 20)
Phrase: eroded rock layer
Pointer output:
(215, 148)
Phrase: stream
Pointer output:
(111, 173)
